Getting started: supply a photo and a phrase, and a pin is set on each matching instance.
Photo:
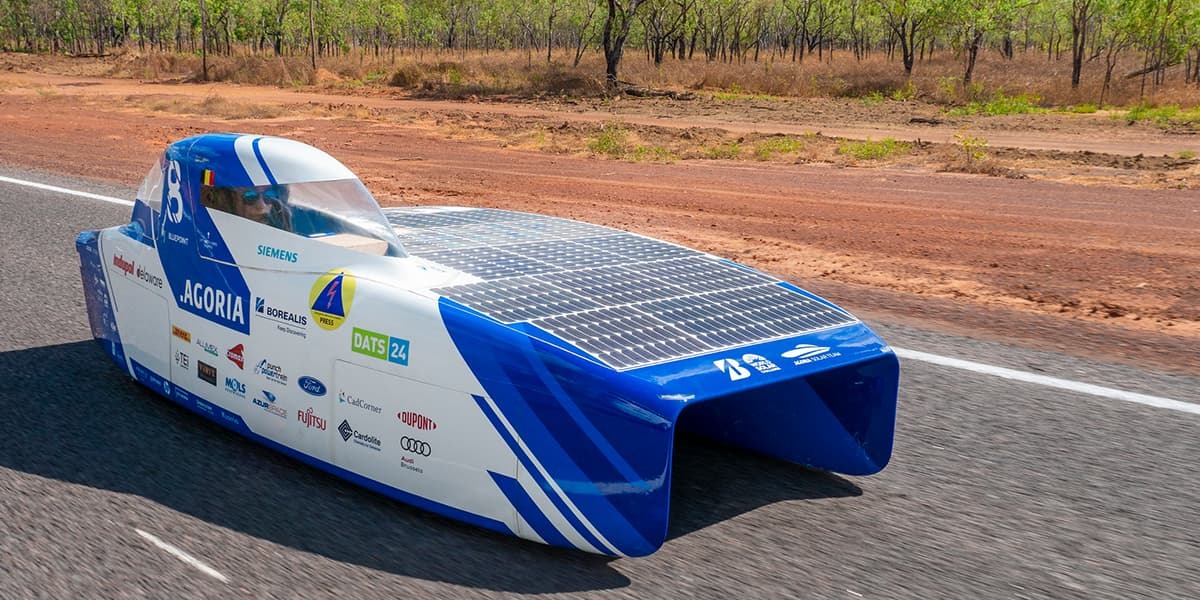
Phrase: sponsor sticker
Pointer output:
(760, 363)
(218, 305)
(266, 400)
(289, 322)
(330, 299)
(206, 372)
(804, 354)
(182, 359)
(235, 387)
(310, 420)
(271, 371)
(207, 347)
(311, 385)
(278, 253)
(355, 401)
(377, 345)
(733, 368)
(236, 355)
(365, 440)
(416, 420)
(181, 333)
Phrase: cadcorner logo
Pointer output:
(331, 297)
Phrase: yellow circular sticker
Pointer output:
(330, 299)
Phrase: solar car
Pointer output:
(521, 372)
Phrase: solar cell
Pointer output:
(627, 300)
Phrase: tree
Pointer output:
(616, 31)
(1081, 14)
(907, 19)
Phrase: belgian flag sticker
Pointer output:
(330, 298)
(207, 177)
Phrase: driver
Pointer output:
(265, 204)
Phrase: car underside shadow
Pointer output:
(77, 418)
(713, 482)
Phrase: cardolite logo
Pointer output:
(271, 371)
(355, 401)
(181, 333)
(266, 400)
(365, 440)
(416, 420)
(330, 299)
(207, 347)
(309, 419)
(235, 387)
(206, 372)
(285, 320)
(234, 355)
(120, 263)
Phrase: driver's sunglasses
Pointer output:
(269, 195)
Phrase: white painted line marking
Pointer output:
(1054, 382)
(184, 556)
(54, 188)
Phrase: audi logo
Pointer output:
(415, 446)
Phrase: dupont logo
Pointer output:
(345, 430)
(733, 368)
(235, 355)
(416, 420)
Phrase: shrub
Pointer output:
(727, 151)
(766, 149)
(872, 150)
(613, 141)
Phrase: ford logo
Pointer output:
(311, 385)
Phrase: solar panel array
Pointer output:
(628, 300)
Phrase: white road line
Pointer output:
(184, 556)
(54, 188)
(1054, 382)
(945, 361)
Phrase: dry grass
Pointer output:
(463, 74)
(213, 106)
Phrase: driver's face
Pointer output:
(255, 204)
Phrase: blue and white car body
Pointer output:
(521, 372)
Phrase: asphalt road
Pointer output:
(997, 489)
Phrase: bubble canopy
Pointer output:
(302, 189)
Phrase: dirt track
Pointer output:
(1112, 272)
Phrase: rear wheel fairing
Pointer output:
(101, 315)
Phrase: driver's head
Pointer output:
(265, 204)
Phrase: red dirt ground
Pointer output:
(1106, 272)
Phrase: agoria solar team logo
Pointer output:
(330, 298)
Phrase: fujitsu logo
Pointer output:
(416, 420)
(309, 419)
